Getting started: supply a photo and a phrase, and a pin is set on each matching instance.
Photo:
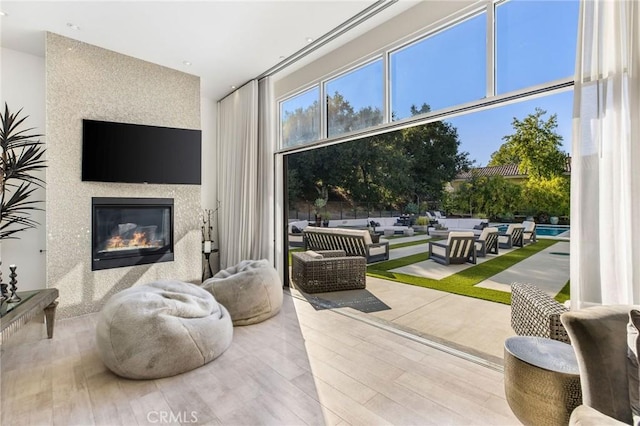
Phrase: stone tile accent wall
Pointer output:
(85, 81)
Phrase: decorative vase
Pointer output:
(553, 220)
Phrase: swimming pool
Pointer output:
(543, 230)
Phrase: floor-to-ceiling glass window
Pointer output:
(473, 105)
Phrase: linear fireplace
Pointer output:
(131, 231)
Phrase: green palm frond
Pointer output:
(21, 157)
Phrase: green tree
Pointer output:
(535, 147)
(432, 149)
(393, 169)
(547, 196)
(490, 196)
(301, 125)
(342, 117)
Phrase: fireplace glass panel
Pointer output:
(131, 231)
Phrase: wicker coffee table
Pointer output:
(334, 271)
(541, 380)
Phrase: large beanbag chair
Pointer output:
(250, 290)
(161, 329)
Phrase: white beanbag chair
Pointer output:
(161, 329)
(250, 290)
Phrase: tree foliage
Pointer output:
(434, 157)
(489, 196)
(535, 147)
(342, 118)
(549, 196)
(395, 168)
(301, 125)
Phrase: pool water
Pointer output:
(543, 230)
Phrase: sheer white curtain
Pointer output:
(245, 174)
(605, 190)
(264, 242)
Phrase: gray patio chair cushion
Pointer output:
(250, 290)
(161, 329)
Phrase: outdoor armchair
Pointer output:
(529, 232)
(512, 237)
(487, 242)
(459, 248)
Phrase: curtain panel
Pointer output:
(245, 152)
(605, 189)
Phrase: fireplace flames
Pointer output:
(138, 240)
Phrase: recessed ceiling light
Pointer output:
(3, 13)
(187, 63)
(309, 39)
(73, 26)
(233, 87)
(281, 57)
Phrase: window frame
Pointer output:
(491, 100)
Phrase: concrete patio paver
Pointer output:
(548, 270)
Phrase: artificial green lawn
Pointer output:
(563, 295)
(463, 282)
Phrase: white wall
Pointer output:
(209, 195)
(23, 86)
(209, 111)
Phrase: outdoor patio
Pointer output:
(460, 323)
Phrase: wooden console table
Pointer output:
(15, 315)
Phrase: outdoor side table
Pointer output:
(541, 380)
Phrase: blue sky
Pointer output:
(536, 43)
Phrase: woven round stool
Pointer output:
(541, 380)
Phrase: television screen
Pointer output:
(133, 153)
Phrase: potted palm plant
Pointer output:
(22, 157)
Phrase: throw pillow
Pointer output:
(295, 230)
(633, 367)
(312, 254)
(478, 227)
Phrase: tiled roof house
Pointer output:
(508, 171)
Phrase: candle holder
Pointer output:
(14, 285)
(4, 294)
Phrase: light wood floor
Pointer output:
(300, 367)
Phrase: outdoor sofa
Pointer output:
(355, 242)
(463, 224)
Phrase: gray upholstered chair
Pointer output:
(487, 242)
(599, 337)
(512, 237)
(459, 248)
(535, 313)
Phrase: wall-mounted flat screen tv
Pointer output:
(133, 153)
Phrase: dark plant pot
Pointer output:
(325, 223)
(375, 238)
